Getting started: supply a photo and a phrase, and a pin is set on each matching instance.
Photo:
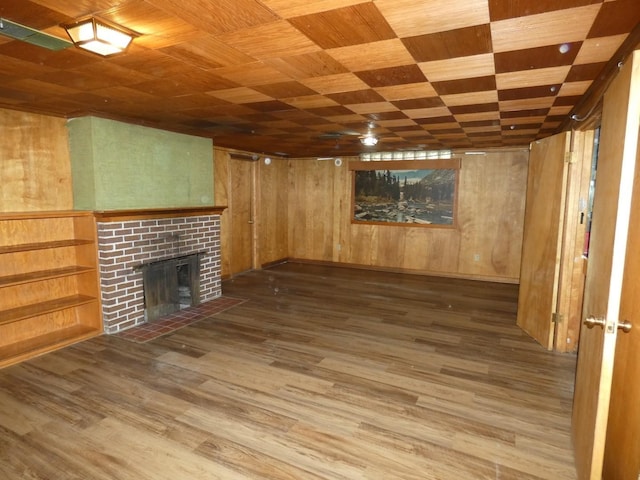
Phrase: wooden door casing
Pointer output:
(572, 264)
(605, 271)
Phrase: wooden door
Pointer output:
(234, 188)
(622, 447)
(608, 267)
(241, 209)
(544, 214)
(622, 450)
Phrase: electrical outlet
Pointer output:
(339, 247)
(476, 257)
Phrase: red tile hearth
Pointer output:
(170, 323)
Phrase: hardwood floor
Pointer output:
(323, 373)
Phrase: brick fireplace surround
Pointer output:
(129, 238)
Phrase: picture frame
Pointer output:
(416, 193)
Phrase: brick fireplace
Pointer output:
(130, 239)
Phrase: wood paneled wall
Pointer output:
(272, 218)
(35, 167)
(302, 207)
(486, 244)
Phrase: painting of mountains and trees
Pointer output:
(413, 196)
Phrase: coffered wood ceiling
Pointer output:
(307, 77)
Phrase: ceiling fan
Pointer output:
(338, 134)
(368, 139)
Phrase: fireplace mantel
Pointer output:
(153, 213)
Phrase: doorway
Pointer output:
(234, 187)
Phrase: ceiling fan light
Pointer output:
(369, 140)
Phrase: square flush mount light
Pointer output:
(99, 36)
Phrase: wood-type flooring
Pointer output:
(323, 373)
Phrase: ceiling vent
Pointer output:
(34, 37)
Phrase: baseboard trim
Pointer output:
(274, 263)
(426, 273)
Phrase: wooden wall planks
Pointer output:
(272, 218)
(36, 168)
(314, 189)
(486, 245)
(303, 207)
(492, 198)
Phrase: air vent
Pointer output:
(34, 37)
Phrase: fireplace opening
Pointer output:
(170, 285)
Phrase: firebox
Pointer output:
(170, 285)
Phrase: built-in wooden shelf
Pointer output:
(42, 275)
(44, 214)
(25, 349)
(42, 308)
(27, 247)
(49, 286)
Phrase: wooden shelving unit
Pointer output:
(49, 286)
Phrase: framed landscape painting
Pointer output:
(410, 192)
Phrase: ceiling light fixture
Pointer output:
(99, 36)
(369, 140)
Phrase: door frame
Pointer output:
(224, 195)
(573, 263)
(606, 269)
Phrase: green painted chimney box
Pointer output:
(117, 166)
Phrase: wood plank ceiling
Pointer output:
(308, 77)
